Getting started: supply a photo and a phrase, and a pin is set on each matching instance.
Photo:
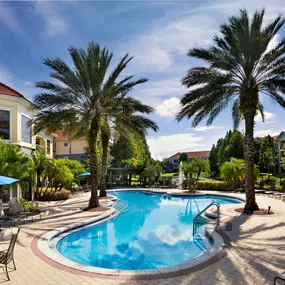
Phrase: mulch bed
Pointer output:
(98, 209)
(260, 212)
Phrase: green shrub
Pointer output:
(212, 185)
(50, 194)
(27, 206)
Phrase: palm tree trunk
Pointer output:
(105, 142)
(249, 151)
(93, 134)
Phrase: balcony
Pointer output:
(40, 147)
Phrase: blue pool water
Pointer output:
(152, 231)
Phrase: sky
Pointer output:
(157, 34)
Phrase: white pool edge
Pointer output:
(48, 241)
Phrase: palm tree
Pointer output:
(127, 118)
(82, 97)
(240, 65)
(15, 163)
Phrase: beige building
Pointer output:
(15, 114)
(64, 148)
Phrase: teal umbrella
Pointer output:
(4, 180)
(84, 174)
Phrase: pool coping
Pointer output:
(44, 246)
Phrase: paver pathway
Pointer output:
(257, 250)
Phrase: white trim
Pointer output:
(2, 108)
(20, 131)
(47, 245)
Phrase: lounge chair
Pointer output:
(6, 256)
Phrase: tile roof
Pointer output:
(6, 90)
(193, 154)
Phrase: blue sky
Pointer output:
(158, 35)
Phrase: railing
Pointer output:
(40, 147)
(203, 211)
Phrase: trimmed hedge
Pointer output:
(50, 194)
(212, 185)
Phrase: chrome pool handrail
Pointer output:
(214, 203)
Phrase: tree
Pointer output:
(235, 146)
(40, 164)
(188, 169)
(127, 119)
(150, 172)
(183, 157)
(82, 98)
(200, 165)
(234, 171)
(213, 159)
(15, 163)
(268, 154)
(240, 65)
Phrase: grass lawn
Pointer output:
(170, 174)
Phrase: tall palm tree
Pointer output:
(83, 95)
(240, 66)
(127, 118)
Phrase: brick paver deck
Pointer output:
(256, 252)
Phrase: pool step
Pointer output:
(122, 206)
(202, 242)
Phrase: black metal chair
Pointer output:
(6, 256)
(281, 277)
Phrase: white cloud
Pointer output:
(27, 83)
(164, 146)
(267, 116)
(10, 20)
(263, 133)
(169, 107)
(155, 50)
(207, 128)
(55, 23)
(273, 43)
(5, 74)
(171, 235)
(164, 87)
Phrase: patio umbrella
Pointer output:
(4, 180)
(84, 174)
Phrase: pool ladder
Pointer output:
(204, 220)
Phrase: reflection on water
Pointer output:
(155, 232)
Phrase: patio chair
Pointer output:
(17, 211)
(3, 216)
(6, 256)
(280, 277)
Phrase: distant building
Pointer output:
(280, 139)
(64, 148)
(174, 160)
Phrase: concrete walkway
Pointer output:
(256, 253)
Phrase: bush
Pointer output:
(50, 194)
(27, 206)
(212, 185)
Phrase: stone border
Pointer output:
(44, 246)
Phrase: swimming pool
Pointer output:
(152, 231)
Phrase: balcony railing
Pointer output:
(40, 147)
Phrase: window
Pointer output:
(48, 146)
(65, 143)
(26, 130)
(5, 125)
